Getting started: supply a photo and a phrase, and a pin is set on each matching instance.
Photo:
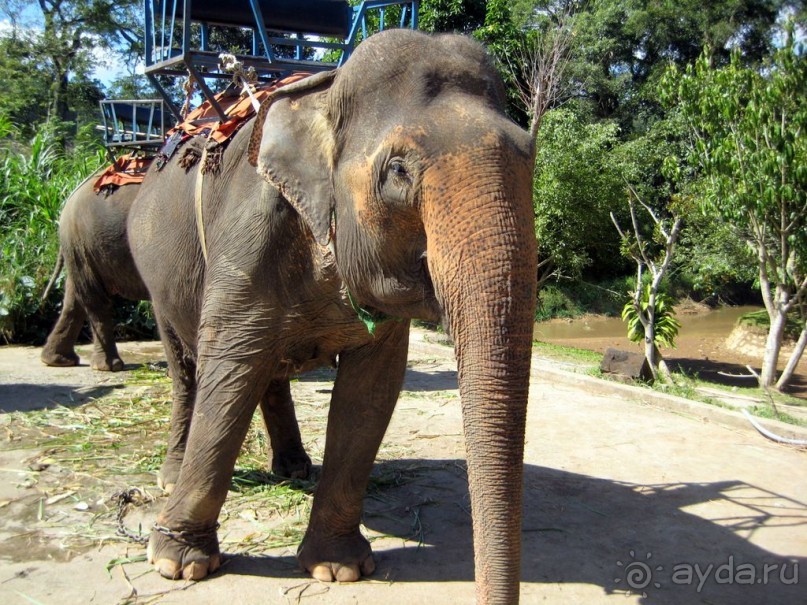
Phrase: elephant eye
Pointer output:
(398, 170)
(396, 180)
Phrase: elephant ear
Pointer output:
(293, 144)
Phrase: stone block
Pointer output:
(626, 365)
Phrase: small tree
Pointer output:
(747, 130)
(540, 66)
(649, 307)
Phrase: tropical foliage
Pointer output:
(666, 325)
(747, 137)
(608, 131)
(35, 179)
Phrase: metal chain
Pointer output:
(197, 538)
(135, 497)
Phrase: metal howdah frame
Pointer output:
(302, 27)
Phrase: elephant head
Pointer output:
(405, 162)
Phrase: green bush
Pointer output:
(574, 298)
(666, 326)
(36, 177)
(553, 302)
(759, 321)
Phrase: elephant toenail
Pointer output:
(347, 573)
(322, 573)
(195, 571)
(168, 569)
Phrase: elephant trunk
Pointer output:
(484, 276)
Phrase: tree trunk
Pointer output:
(651, 352)
(795, 357)
(772, 346)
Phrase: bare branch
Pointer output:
(638, 235)
(650, 211)
(618, 228)
(542, 63)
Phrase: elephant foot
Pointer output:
(344, 560)
(59, 360)
(293, 464)
(190, 555)
(103, 363)
(169, 474)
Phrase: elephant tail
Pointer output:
(54, 276)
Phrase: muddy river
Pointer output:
(719, 322)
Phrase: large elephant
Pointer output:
(394, 187)
(99, 265)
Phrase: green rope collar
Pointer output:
(370, 319)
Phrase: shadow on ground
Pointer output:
(581, 529)
(730, 374)
(416, 380)
(30, 397)
(438, 380)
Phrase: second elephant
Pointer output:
(98, 266)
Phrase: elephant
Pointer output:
(99, 265)
(393, 187)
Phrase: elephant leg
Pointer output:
(287, 455)
(183, 543)
(367, 386)
(105, 357)
(59, 349)
(182, 367)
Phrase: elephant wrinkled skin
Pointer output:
(99, 266)
(394, 186)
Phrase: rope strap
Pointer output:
(198, 190)
(246, 78)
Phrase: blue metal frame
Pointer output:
(164, 56)
(133, 124)
(360, 20)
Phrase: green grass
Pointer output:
(760, 322)
(767, 411)
(564, 354)
(683, 385)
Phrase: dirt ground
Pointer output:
(628, 499)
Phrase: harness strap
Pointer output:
(200, 223)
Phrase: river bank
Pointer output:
(702, 347)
